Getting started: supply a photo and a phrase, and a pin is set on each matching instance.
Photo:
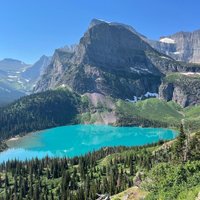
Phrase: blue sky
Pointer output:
(31, 28)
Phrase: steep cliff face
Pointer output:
(111, 59)
(54, 72)
(183, 88)
(182, 46)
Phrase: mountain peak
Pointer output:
(110, 59)
(12, 60)
(44, 57)
(95, 22)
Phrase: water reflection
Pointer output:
(79, 139)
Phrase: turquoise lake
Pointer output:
(79, 139)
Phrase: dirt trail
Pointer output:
(133, 193)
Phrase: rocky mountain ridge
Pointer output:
(111, 59)
(182, 46)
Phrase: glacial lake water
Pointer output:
(79, 139)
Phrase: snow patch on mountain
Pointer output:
(150, 94)
(190, 73)
(5, 89)
(135, 99)
(10, 76)
(146, 95)
(167, 40)
(177, 53)
(134, 70)
(166, 57)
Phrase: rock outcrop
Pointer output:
(183, 88)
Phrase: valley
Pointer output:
(116, 114)
(63, 107)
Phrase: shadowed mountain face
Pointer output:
(111, 59)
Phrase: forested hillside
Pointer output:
(39, 111)
(62, 107)
(163, 171)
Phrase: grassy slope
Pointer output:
(192, 117)
(160, 111)
(192, 112)
(175, 180)
(181, 78)
(151, 109)
(171, 181)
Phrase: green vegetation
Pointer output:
(174, 181)
(192, 118)
(180, 78)
(150, 112)
(158, 113)
(62, 106)
(159, 171)
(175, 178)
(133, 193)
(39, 111)
(3, 146)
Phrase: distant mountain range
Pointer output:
(114, 59)
(18, 78)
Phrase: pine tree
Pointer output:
(6, 180)
(180, 144)
(131, 166)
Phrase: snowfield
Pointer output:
(190, 73)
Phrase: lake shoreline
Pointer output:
(17, 137)
(74, 140)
